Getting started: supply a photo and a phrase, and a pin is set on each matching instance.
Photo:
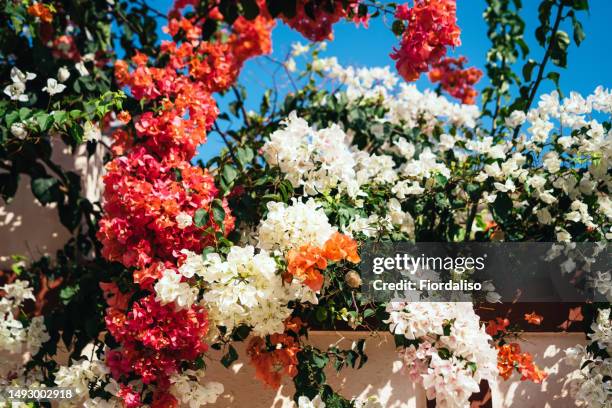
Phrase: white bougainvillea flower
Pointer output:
(53, 87)
(183, 220)
(316, 402)
(18, 76)
(80, 67)
(91, 131)
(16, 92)
(297, 49)
(19, 130)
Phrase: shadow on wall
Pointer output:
(380, 376)
(547, 350)
(33, 230)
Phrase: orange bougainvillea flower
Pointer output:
(340, 247)
(124, 116)
(534, 318)
(294, 324)
(305, 264)
(509, 358)
(274, 358)
(41, 11)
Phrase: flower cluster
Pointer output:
(149, 208)
(160, 210)
(316, 23)
(404, 104)
(155, 338)
(192, 392)
(449, 353)
(510, 358)
(455, 79)
(431, 27)
(288, 226)
(568, 181)
(591, 383)
(18, 337)
(243, 289)
(16, 90)
(306, 262)
(83, 376)
(274, 357)
(41, 11)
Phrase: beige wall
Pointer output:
(382, 377)
(30, 229)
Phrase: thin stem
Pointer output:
(242, 109)
(542, 66)
(498, 99)
(230, 147)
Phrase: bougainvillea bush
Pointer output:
(262, 243)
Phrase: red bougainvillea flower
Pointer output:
(152, 193)
(143, 198)
(64, 47)
(131, 398)
(155, 339)
(497, 326)
(273, 358)
(455, 79)
(164, 400)
(114, 297)
(314, 19)
(431, 27)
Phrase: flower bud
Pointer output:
(63, 74)
(352, 279)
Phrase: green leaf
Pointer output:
(580, 4)
(245, 155)
(11, 118)
(59, 117)
(229, 174)
(44, 120)
(554, 76)
(579, 34)
(218, 212)
(398, 27)
(24, 113)
(558, 53)
(528, 69)
(229, 357)
(45, 189)
(200, 218)
(502, 207)
(76, 132)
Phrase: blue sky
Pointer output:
(588, 65)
